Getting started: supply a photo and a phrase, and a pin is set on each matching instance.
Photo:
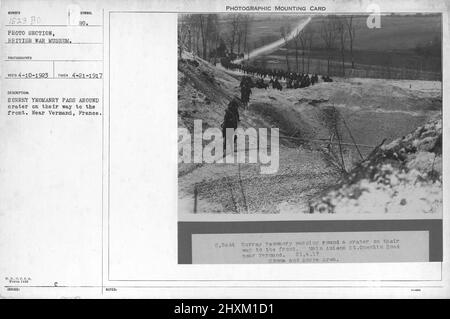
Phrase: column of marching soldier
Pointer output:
(293, 81)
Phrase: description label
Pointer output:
(314, 247)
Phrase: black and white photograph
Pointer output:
(358, 110)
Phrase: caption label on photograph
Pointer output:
(313, 247)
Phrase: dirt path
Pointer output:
(240, 188)
(276, 44)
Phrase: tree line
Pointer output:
(210, 37)
(337, 36)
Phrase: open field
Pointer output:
(407, 58)
(407, 67)
(388, 52)
(397, 32)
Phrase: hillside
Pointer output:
(403, 177)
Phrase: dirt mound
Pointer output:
(388, 95)
(289, 122)
(404, 176)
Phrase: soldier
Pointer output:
(289, 84)
(230, 120)
(277, 85)
(272, 81)
(243, 93)
(260, 83)
(248, 92)
(327, 79)
(242, 85)
(245, 85)
(308, 81)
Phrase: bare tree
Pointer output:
(212, 33)
(240, 35)
(285, 30)
(296, 42)
(189, 39)
(201, 32)
(309, 40)
(339, 23)
(197, 39)
(246, 20)
(194, 24)
(186, 24)
(234, 31)
(328, 35)
(351, 36)
(302, 40)
(183, 31)
(203, 27)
